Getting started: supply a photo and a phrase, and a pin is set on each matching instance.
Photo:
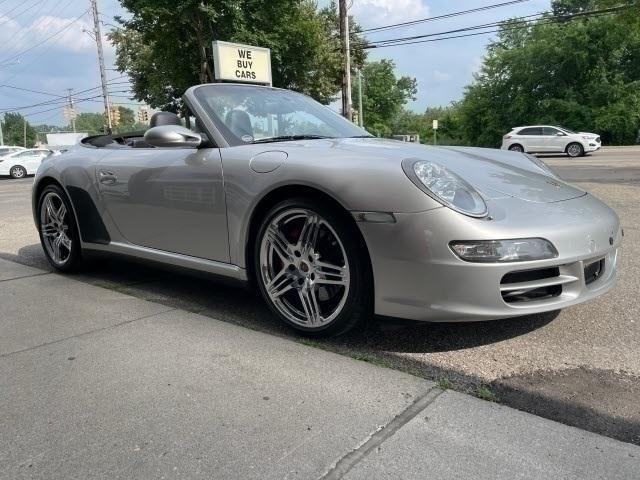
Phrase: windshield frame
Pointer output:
(196, 97)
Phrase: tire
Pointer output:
(310, 268)
(58, 230)
(18, 171)
(516, 147)
(575, 150)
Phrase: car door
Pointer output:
(27, 160)
(529, 137)
(170, 199)
(553, 140)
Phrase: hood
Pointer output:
(495, 173)
(589, 134)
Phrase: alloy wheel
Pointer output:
(304, 268)
(574, 150)
(516, 148)
(18, 172)
(54, 225)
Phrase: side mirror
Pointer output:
(172, 136)
(559, 134)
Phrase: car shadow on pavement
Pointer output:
(200, 293)
(384, 342)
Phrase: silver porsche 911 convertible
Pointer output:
(267, 186)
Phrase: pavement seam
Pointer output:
(46, 344)
(347, 462)
(25, 276)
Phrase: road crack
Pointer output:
(347, 462)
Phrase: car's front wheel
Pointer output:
(575, 150)
(18, 171)
(310, 268)
(58, 230)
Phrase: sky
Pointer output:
(42, 48)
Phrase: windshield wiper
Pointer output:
(284, 138)
(362, 136)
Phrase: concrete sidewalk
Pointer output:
(97, 384)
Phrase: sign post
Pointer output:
(435, 132)
(234, 62)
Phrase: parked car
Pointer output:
(330, 223)
(549, 139)
(23, 162)
(9, 149)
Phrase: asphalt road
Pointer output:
(580, 366)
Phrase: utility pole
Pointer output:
(346, 60)
(360, 114)
(72, 112)
(1, 134)
(25, 131)
(103, 73)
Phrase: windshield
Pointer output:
(249, 114)
(567, 129)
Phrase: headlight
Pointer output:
(540, 164)
(445, 187)
(492, 251)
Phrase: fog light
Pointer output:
(492, 251)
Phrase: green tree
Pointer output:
(582, 73)
(383, 95)
(91, 123)
(165, 45)
(422, 123)
(13, 130)
(127, 120)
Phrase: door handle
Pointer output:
(106, 177)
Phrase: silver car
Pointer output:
(550, 139)
(331, 224)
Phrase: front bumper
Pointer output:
(418, 277)
(592, 146)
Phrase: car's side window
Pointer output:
(530, 131)
(548, 131)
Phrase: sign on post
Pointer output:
(241, 63)
(435, 124)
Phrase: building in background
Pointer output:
(57, 141)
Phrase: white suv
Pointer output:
(549, 139)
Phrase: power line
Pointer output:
(62, 99)
(8, 19)
(58, 106)
(520, 20)
(46, 39)
(43, 52)
(441, 17)
(6, 14)
(4, 85)
(506, 25)
(24, 32)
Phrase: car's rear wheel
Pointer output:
(310, 268)
(18, 171)
(575, 150)
(516, 147)
(58, 230)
